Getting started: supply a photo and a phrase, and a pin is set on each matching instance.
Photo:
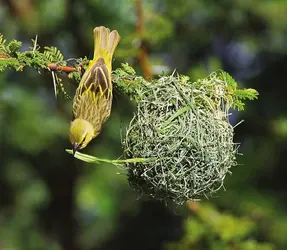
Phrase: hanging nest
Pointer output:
(183, 131)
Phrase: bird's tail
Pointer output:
(105, 43)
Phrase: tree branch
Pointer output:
(142, 53)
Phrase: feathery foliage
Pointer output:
(12, 58)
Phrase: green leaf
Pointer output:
(2, 44)
(227, 78)
(128, 69)
(13, 47)
(244, 94)
(53, 54)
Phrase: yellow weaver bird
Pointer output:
(93, 98)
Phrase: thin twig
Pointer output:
(56, 67)
(142, 53)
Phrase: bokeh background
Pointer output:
(49, 200)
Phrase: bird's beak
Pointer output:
(75, 148)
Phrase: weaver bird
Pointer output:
(93, 98)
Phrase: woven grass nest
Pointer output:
(184, 131)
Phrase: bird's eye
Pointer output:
(82, 142)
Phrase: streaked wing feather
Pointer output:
(97, 81)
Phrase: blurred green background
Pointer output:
(49, 200)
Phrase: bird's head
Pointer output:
(81, 133)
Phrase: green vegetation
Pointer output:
(49, 200)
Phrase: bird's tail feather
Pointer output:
(105, 43)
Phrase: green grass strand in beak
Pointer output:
(96, 160)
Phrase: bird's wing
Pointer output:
(95, 82)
